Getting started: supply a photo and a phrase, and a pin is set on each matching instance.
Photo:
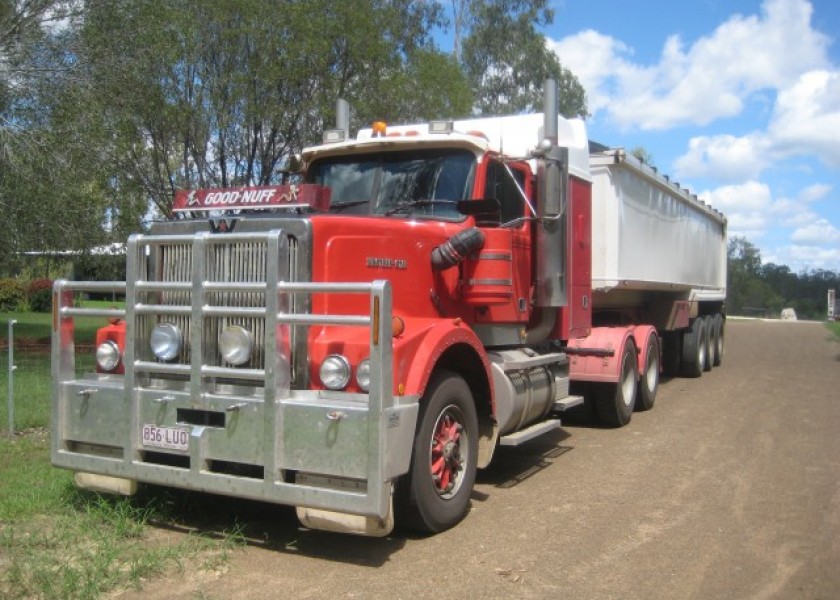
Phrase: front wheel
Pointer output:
(434, 495)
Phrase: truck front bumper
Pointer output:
(315, 449)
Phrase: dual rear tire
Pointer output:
(702, 345)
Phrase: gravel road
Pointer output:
(728, 488)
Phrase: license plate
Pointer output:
(170, 438)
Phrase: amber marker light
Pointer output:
(397, 327)
(375, 323)
(379, 128)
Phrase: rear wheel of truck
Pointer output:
(649, 381)
(694, 348)
(709, 323)
(434, 495)
(614, 402)
(717, 360)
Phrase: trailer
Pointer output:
(357, 341)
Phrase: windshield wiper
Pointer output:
(348, 204)
(404, 206)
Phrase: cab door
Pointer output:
(497, 280)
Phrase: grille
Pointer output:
(238, 262)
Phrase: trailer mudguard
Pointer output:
(597, 357)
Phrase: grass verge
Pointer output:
(59, 542)
(834, 327)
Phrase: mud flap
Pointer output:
(105, 484)
(340, 522)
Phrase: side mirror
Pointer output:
(487, 212)
(295, 164)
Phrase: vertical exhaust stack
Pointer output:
(551, 233)
(342, 117)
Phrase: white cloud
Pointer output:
(745, 197)
(594, 58)
(799, 257)
(723, 158)
(746, 206)
(820, 232)
(806, 117)
(708, 80)
(815, 192)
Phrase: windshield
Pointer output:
(416, 182)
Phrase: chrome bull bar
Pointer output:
(360, 441)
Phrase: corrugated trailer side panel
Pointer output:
(647, 234)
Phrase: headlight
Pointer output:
(166, 341)
(363, 375)
(236, 344)
(335, 372)
(108, 356)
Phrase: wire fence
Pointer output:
(26, 382)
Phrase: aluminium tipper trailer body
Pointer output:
(649, 235)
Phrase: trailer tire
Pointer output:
(649, 379)
(435, 493)
(694, 346)
(614, 402)
(709, 323)
(718, 344)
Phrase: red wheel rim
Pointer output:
(447, 460)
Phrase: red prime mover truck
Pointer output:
(357, 344)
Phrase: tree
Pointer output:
(220, 93)
(507, 60)
(50, 190)
(642, 155)
(745, 288)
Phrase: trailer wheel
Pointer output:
(709, 323)
(649, 380)
(614, 402)
(718, 344)
(434, 495)
(694, 348)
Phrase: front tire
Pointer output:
(434, 495)
(614, 402)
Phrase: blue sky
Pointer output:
(738, 100)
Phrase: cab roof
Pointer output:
(513, 137)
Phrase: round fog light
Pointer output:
(235, 345)
(363, 375)
(166, 341)
(108, 356)
(335, 372)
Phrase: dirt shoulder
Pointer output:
(728, 488)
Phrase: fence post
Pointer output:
(12, 367)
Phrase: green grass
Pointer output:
(32, 378)
(834, 327)
(60, 542)
(38, 326)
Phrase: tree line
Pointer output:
(107, 107)
(764, 289)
